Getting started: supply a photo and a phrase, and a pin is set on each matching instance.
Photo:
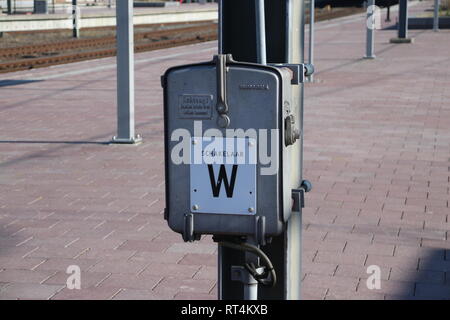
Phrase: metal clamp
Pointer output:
(241, 274)
(188, 231)
(298, 195)
(299, 71)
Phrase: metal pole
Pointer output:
(251, 285)
(261, 48)
(9, 7)
(403, 20)
(312, 14)
(75, 24)
(125, 74)
(285, 29)
(370, 25)
(221, 27)
(293, 235)
(436, 15)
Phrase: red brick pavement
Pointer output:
(376, 149)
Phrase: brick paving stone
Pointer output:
(405, 263)
(97, 293)
(193, 248)
(199, 258)
(393, 287)
(159, 257)
(313, 293)
(340, 258)
(322, 281)
(346, 270)
(319, 268)
(58, 264)
(433, 291)
(375, 248)
(418, 276)
(185, 285)
(120, 267)
(143, 281)
(106, 254)
(24, 263)
(194, 296)
(339, 294)
(143, 245)
(136, 294)
(24, 276)
(206, 272)
(171, 270)
(88, 279)
(55, 251)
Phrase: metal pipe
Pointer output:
(251, 287)
(261, 48)
(312, 14)
(370, 25)
(436, 15)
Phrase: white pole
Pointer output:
(312, 14)
(125, 74)
(436, 15)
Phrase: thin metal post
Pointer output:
(75, 19)
(370, 25)
(292, 245)
(251, 285)
(312, 15)
(261, 49)
(403, 20)
(402, 24)
(9, 6)
(436, 15)
(125, 74)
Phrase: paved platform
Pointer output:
(377, 135)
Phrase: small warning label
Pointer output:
(192, 106)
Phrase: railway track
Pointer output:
(47, 54)
(67, 51)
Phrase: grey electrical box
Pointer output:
(230, 141)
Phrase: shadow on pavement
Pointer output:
(9, 83)
(432, 280)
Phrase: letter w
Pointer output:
(229, 186)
